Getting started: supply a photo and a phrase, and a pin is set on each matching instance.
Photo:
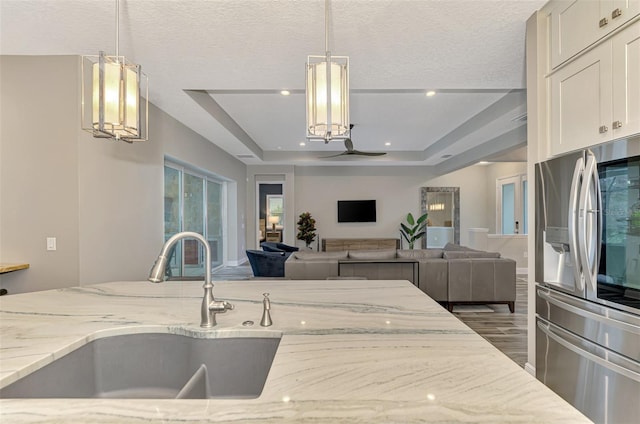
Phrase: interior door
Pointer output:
(510, 207)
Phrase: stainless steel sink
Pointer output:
(154, 366)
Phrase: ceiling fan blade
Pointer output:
(334, 156)
(358, 152)
(348, 144)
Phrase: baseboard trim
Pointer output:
(238, 262)
(524, 270)
(530, 369)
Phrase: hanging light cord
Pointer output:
(118, 30)
(326, 28)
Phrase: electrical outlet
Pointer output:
(51, 243)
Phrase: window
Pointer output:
(193, 202)
(511, 199)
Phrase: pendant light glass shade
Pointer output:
(114, 98)
(327, 97)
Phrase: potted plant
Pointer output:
(415, 230)
(306, 228)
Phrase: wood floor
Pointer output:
(504, 330)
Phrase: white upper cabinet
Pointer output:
(577, 24)
(581, 96)
(596, 97)
(626, 82)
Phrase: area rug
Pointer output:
(471, 309)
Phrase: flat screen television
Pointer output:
(356, 211)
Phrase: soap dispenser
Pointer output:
(266, 315)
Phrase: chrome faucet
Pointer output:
(210, 307)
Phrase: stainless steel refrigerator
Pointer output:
(587, 275)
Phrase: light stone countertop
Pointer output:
(351, 351)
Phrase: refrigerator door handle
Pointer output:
(572, 223)
(587, 237)
(558, 337)
(562, 304)
(599, 212)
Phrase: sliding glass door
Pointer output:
(215, 221)
(173, 216)
(193, 202)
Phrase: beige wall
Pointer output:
(101, 199)
(39, 173)
(396, 191)
(120, 207)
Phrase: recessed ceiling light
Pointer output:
(285, 92)
(431, 93)
(483, 162)
(302, 143)
(388, 143)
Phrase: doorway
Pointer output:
(271, 212)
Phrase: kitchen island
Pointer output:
(351, 351)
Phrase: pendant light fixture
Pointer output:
(327, 93)
(112, 104)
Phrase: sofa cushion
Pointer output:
(457, 248)
(269, 246)
(267, 264)
(420, 253)
(321, 256)
(372, 254)
(469, 254)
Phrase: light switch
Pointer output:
(51, 243)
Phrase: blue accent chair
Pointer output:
(269, 246)
(267, 264)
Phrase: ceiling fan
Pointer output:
(348, 144)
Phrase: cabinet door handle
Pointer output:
(617, 124)
(603, 22)
(603, 129)
(616, 13)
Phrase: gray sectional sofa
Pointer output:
(452, 275)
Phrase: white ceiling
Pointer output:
(218, 67)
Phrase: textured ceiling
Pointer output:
(218, 66)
